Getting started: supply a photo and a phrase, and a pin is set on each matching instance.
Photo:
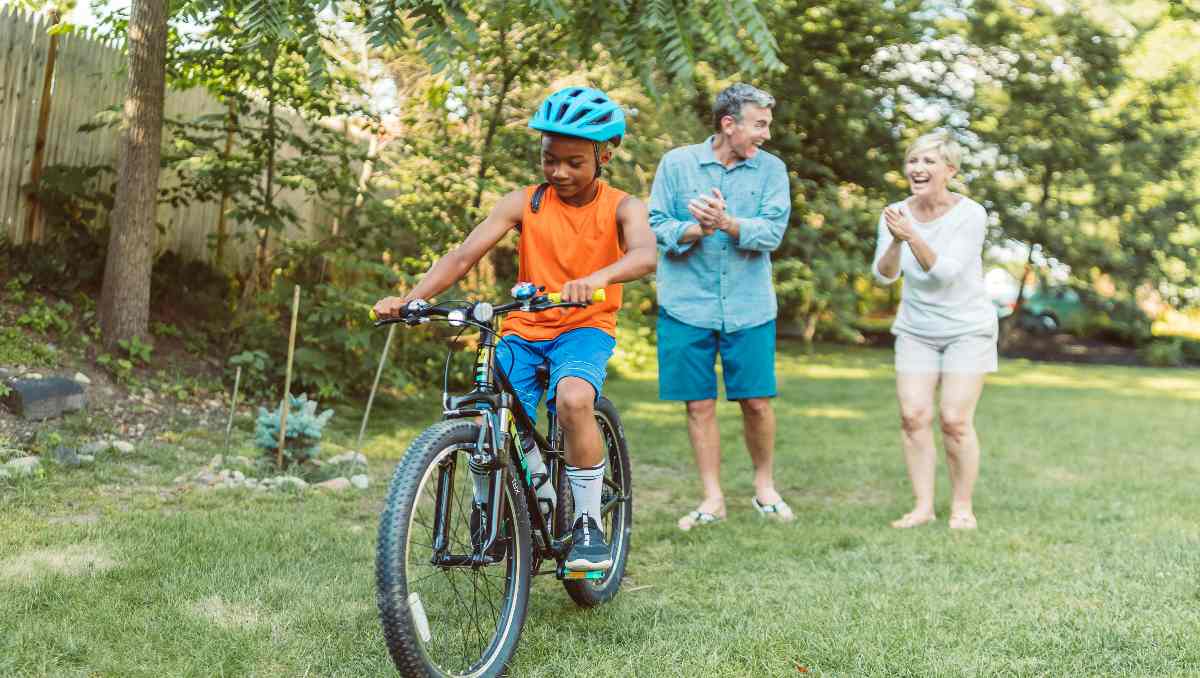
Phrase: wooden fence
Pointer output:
(89, 77)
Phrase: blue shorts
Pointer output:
(582, 353)
(687, 358)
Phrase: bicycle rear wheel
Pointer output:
(443, 620)
(617, 500)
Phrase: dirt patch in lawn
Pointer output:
(227, 614)
(77, 560)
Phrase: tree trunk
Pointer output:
(261, 276)
(125, 295)
(222, 234)
(810, 327)
(1013, 321)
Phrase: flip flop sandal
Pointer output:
(777, 511)
(909, 521)
(698, 518)
(963, 521)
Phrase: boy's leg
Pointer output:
(578, 366)
(518, 358)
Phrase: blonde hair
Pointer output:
(941, 142)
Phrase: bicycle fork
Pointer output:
(486, 468)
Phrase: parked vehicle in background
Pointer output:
(1048, 310)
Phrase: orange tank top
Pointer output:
(562, 243)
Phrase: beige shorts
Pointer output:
(968, 353)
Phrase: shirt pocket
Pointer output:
(746, 203)
(680, 204)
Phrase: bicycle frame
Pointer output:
(494, 401)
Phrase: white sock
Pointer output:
(587, 484)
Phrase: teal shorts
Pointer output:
(582, 353)
(687, 358)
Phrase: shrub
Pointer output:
(76, 201)
(337, 347)
(1190, 349)
(1164, 353)
(304, 428)
(1117, 321)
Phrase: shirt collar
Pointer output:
(707, 156)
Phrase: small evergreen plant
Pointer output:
(304, 428)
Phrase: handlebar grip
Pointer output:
(597, 296)
(372, 315)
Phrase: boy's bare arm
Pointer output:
(640, 258)
(455, 265)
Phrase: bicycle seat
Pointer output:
(542, 372)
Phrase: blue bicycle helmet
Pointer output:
(581, 112)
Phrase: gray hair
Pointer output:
(731, 100)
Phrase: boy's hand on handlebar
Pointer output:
(581, 290)
(390, 308)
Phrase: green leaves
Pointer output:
(669, 37)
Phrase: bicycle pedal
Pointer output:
(564, 573)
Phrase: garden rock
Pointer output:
(86, 459)
(350, 458)
(82, 379)
(23, 466)
(35, 398)
(67, 456)
(122, 446)
(360, 481)
(334, 485)
(290, 481)
(95, 447)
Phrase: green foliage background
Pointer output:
(1078, 118)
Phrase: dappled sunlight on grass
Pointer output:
(836, 373)
(830, 413)
(1180, 384)
(1180, 387)
(651, 408)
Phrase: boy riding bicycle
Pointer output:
(578, 235)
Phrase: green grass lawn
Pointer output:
(1086, 563)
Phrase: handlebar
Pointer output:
(597, 296)
(469, 313)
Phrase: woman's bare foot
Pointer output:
(963, 520)
(913, 519)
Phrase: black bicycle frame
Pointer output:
(492, 397)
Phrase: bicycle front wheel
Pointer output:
(444, 619)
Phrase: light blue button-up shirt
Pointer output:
(717, 282)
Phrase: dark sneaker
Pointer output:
(588, 551)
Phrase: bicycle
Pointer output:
(453, 576)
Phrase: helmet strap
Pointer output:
(596, 150)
